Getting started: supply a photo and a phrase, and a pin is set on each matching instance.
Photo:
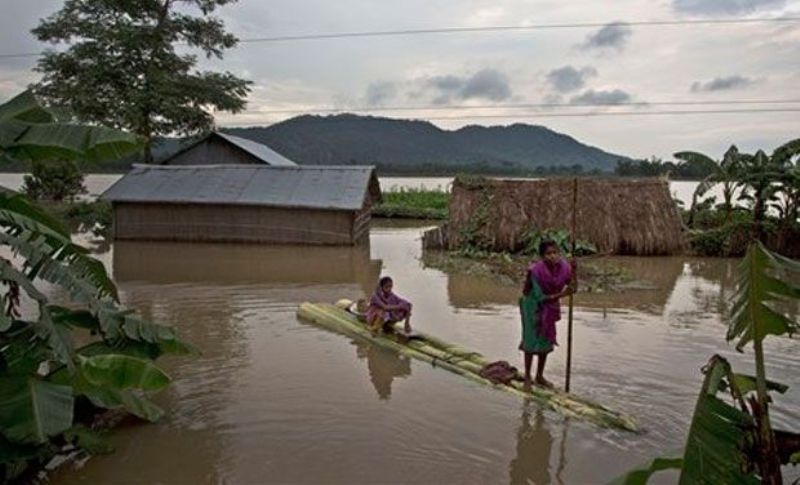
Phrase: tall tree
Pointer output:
(122, 69)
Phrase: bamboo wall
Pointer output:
(234, 223)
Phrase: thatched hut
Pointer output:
(619, 216)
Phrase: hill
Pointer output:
(399, 146)
(412, 146)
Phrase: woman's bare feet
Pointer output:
(541, 381)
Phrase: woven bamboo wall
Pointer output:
(232, 223)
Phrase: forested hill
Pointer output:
(409, 146)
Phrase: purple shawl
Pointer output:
(379, 301)
(550, 282)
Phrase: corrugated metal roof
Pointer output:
(258, 150)
(321, 187)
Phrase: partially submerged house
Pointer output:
(619, 216)
(220, 148)
(245, 203)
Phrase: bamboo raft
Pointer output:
(462, 362)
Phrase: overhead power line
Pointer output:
(511, 28)
(495, 28)
(641, 104)
(592, 114)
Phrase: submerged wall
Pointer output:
(235, 223)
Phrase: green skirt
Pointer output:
(532, 342)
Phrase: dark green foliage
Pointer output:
(42, 373)
(54, 180)
(561, 238)
(694, 169)
(29, 133)
(121, 67)
(95, 216)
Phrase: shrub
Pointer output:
(54, 180)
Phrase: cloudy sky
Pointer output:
(574, 68)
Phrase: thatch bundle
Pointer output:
(619, 216)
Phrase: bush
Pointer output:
(414, 204)
(727, 241)
(561, 238)
(54, 180)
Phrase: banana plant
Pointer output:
(44, 377)
(787, 156)
(29, 131)
(732, 441)
(726, 172)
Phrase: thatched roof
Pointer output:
(619, 216)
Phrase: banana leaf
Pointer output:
(28, 131)
(32, 410)
(123, 372)
(765, 280)
(719, 439)
(641, 476)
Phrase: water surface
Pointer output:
(275, 400)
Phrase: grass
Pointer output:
(413, 204)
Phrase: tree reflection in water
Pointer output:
(384, 366)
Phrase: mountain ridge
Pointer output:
(418, 146)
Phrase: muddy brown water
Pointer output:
(275, 400)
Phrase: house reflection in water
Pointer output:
(174, 262)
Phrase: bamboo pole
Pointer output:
(569, 314)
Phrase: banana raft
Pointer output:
(462, 362)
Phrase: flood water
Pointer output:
(275, 400)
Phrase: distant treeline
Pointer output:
(655, 167)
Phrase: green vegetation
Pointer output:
(54, 180)
(733, 441)
(61, 366)
(562, 238)
(690, 169)
(761, 182)
(413, 204)
(120, 66)
(93, 216)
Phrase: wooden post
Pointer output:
(569, 314)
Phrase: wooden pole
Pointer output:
(569, 314)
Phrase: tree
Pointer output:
(787, 156)
(54, 180)
(726, 172)
(121, 68)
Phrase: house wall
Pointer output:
(213, 151)
(233, 223)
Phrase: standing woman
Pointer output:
(546, 282)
